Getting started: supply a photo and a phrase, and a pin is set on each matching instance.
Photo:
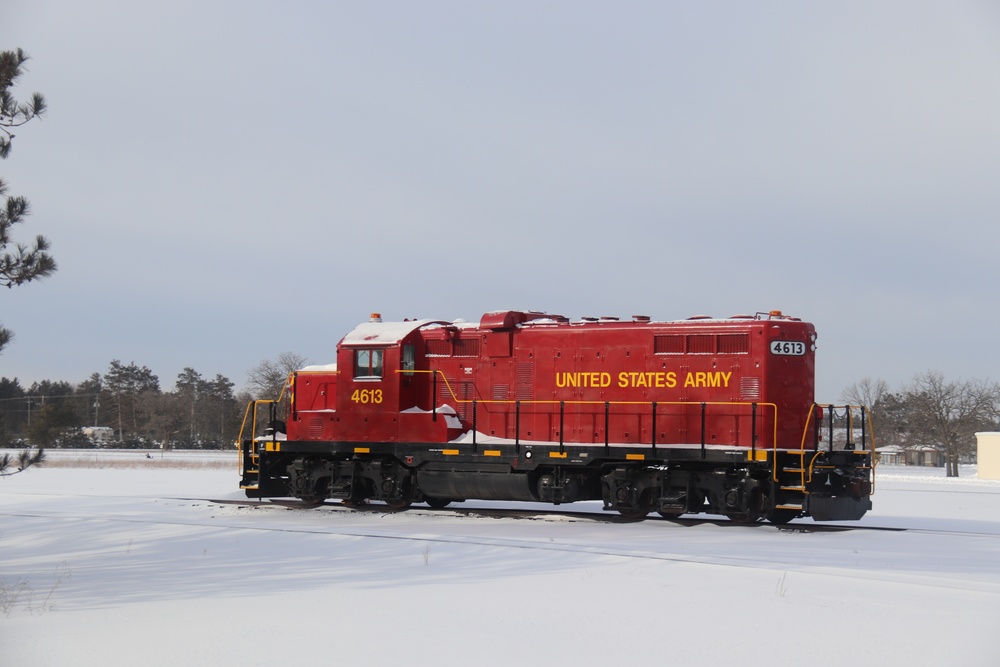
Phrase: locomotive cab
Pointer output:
(380, 391)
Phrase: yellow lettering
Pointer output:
(719, 379)
(695, 379)
(594, 379)
(642, 379)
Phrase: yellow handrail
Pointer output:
(810, 469)
(454, 396)
(250, 414)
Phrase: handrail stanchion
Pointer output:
(652, 437)
(831, 408)
(864, 431)
(517, 427)
(562, 421)
(434, 397)
(818, 411)
(607, 420)
(703, 453)
(474, 403)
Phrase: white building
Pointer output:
(100, 435)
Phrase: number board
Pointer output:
(788, 347)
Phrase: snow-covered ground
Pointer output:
(129, 565)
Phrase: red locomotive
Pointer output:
(698, 415)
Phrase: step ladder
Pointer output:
(790, 477)
(246, 443)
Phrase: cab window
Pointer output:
(409, 359)
(368, 363)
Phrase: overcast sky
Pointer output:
(224, 181)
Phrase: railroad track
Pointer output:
(543, 515)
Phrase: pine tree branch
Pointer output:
(24, 461)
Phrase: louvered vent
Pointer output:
(750, 388)
(525, 380)
(464, 392)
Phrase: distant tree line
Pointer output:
(128, 404)
(199, 412)
(930, 413)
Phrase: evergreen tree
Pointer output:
(25, 263)
(55, 424)
(130, 388)
(191, 390)
(12, 403)
(24, 460)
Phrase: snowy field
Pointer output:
(119, 559)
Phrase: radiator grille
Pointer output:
(734, 343)
(701, 344)
(438, 348)
(669, 344)
(467, 347)
(738, 343)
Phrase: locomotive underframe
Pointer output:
(744, 486)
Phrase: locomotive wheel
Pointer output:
(633, 513)
(311, 501)
(755, 511)
(643, 506)
(437, 503)
(781, 517)
(398, 505)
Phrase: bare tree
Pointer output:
(267, 379)
(868, 392)
(948, 414)
(874, 395)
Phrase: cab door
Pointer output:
(368, 403)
